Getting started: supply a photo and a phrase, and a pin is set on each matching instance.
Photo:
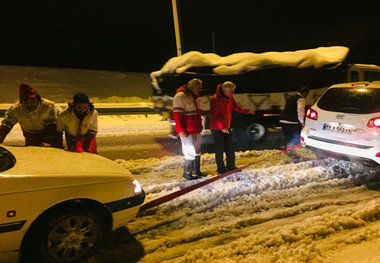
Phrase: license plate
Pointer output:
(337, 128)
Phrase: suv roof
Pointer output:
(369, 84)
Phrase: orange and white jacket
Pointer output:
(68, 122)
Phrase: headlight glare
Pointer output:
(136, 187)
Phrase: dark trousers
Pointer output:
(292, 134)
(223, 144)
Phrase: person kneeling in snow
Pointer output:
(222, 104)
(80, 124)
(189, 127)
(37, 117)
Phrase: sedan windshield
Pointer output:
(351, 100)
(7, 160)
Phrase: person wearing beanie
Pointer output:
(222, 104)
(37, 117)
(79, 122)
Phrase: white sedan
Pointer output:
(57, 206)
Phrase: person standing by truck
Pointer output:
(188, 122)
(293, 117)
(222, 105)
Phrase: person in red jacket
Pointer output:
(222, 105)
(37, 117)
(188, 122)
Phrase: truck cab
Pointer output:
(363, 72)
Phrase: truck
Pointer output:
(264, 81)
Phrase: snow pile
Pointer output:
(248, 61)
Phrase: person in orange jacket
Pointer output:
(222, 104)
(188, 122)
(79, 122)
(37, 117)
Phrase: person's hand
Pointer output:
(303, 125)
(45, 144)
(224, 130)
(182, 134)
(252, 112)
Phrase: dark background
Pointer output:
(138, 35)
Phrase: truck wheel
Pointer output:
(256, 131)
(68, 236)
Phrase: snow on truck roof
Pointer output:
(247, 61)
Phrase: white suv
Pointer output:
(346, 121)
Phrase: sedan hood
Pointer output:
(38, 166)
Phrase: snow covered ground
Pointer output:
(275, 211)
(279, 210)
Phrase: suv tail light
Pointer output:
(374, 123)
(312, 114)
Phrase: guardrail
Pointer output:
(107, 108)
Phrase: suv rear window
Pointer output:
(351, 100)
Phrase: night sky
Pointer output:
(138, 35)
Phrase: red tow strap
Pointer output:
(171, 196)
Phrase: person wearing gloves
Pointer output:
(222, 104)
(79, 122)
(188, 122)
(293, 117)
(37, 117)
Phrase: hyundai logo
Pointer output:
(340, 116)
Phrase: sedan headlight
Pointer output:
(136, 187)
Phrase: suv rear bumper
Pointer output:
(346, 149)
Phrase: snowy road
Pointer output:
(276, 211)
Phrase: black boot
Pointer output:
(188, 170)
(197, 167)
(231, 168)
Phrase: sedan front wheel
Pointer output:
(65, 237)
(72, 238)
